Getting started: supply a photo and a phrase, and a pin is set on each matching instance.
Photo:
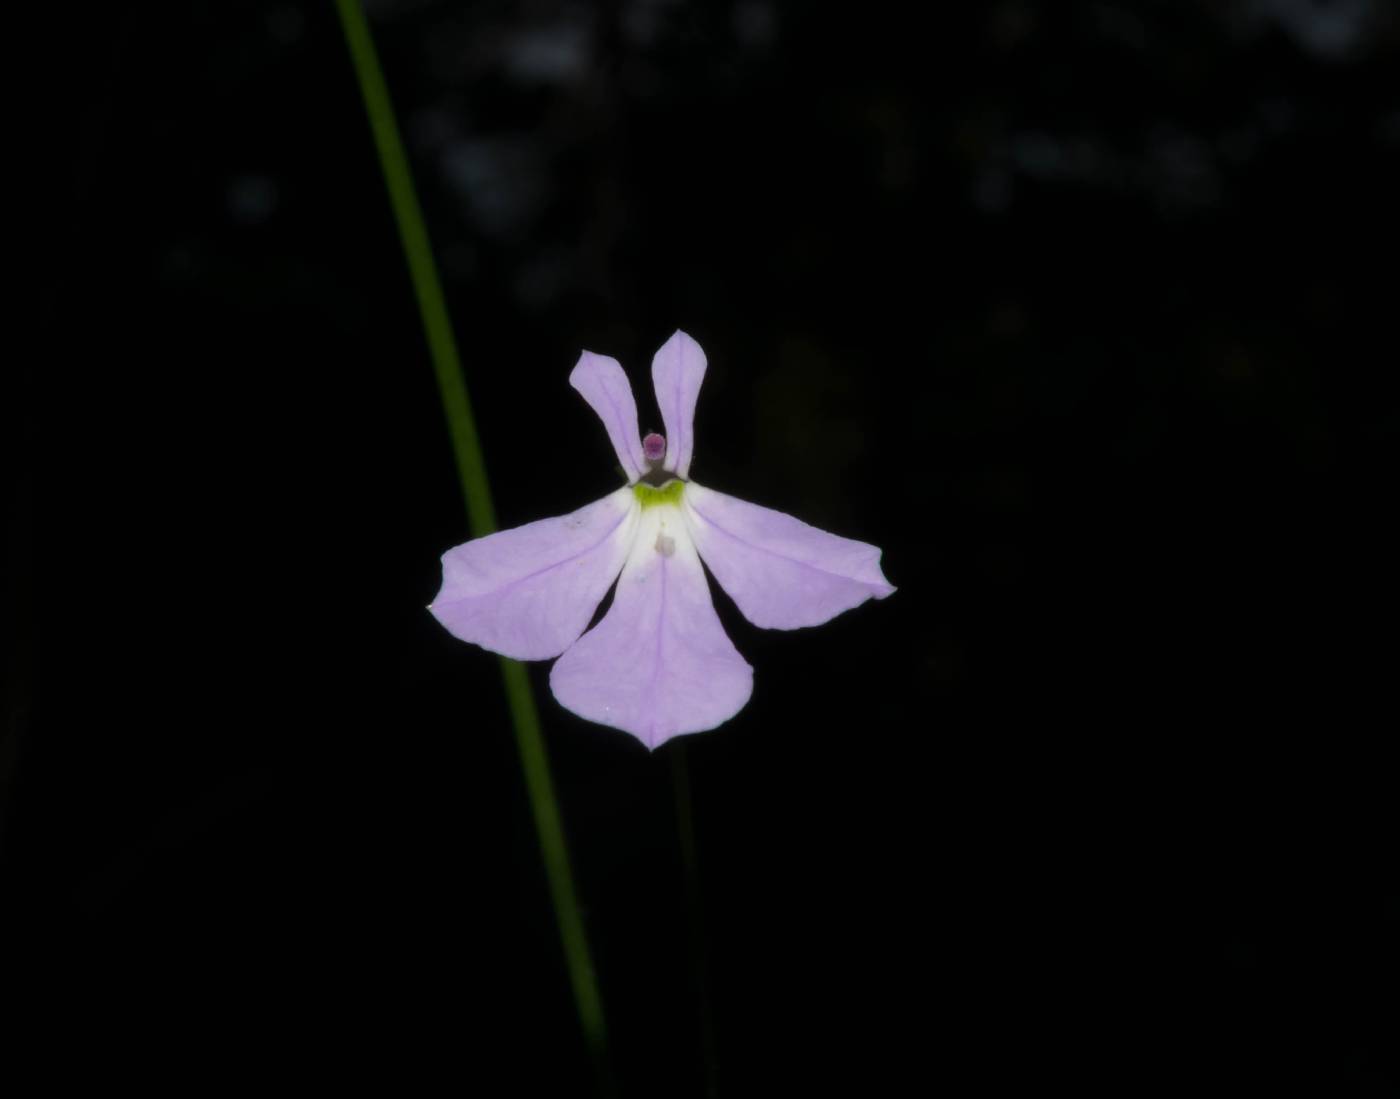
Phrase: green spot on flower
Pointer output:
(669, 493)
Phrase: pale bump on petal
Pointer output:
(781, 573)
(605, 387)
(529, 592)
(659, 664)
(677, 371)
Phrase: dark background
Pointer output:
(1084, 313)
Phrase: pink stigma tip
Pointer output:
(654, 447)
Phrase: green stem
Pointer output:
(481, 516)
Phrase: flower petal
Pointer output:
(659, 664)
(529, 592)
(676, 373)
(608, 392)
(780, 572)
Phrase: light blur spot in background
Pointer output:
(251, 199)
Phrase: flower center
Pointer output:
(649, 496)
(654, 450)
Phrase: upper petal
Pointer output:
(676, 372)
(529, 592)
(605, 387)
(659, 664)
(780, 572)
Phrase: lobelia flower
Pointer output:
(659, 664)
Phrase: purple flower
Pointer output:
(659, 664)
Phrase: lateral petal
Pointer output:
(659, 664)
(529, 592)
(677, 371)
(605, 387)
(781, 572)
